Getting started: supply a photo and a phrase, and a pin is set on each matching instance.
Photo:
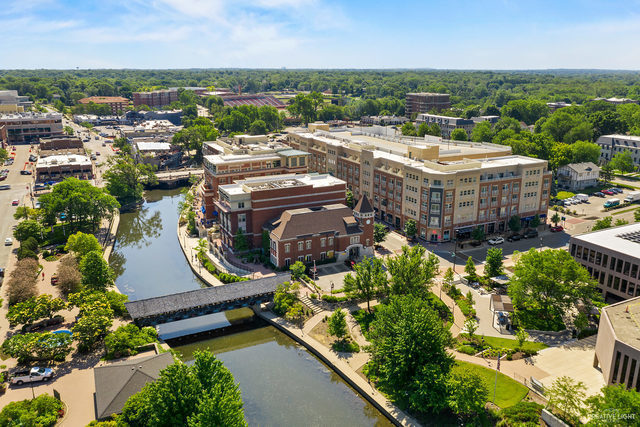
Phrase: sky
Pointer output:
(453, 34)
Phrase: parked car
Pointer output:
(37, 205)
(556, 229)
(97, 153)
(33, 158)
(496, 241)
(608, 192)
(598, 194)
(1, 272)
(39, 186)
(8, 241)
(32, 375)
(530, 233)
(5, 187)
(617, 190)
(514, 238)
(25, 172)
(15, 202)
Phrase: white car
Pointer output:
(8, 241)
(496, 241)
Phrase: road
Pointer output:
(19, 191)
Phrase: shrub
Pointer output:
(41, 411)
(31, 244)
(467, 349)
(46, 254)
(346, 346)
(26, 253)
(69, 277)
(61, 249)
(522, 413)
(313, 296)
(440, 307)
(334, 299)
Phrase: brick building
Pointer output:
(59, 167)
(321, 233)
(447, 187)
(61, 145)
(155, 98)
(248, 204)
(117, 104)
(24, 128)
(227, 161)
(423, 102)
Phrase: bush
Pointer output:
(440, 307)
(61, 249)
(522, 413)
(467, 349)
(125, 340)
(313, 296)
(31, 244)
(26, 253)
(41, 411)
(587, 333)
(46, 254)
(334, 299)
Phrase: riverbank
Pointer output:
(189, 246)
(331, 359)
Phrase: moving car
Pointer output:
(514, 238)
(530, 233)
(8, 241)
(556, 229)
(35, 374)
(25, 172)
(496, 241)
(15, 202)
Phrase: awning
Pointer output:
(203, 210)
(529, 218)
(464, 230)
(543, 215)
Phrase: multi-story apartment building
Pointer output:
(245, 156)
(155, 98)
(11, 97)
(23, 128)
(322, 233)
(248, 204)
(610, 145)
(423, 102)
(448, 187)
(612, 257)
(61, 145)
(447, 124)
(618, 344)
(117, 104)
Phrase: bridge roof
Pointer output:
(189, 300)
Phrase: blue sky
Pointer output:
(460, 34)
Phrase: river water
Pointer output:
(282, 383)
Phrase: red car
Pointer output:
(556, 229)
(608, 192)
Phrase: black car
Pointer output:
(530, 233)
(1, 272)
(514, 238)
(25, 172)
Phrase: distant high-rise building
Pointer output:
(423, 102)
(155, 98)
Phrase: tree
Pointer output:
(240, 242)
(297, 270)
(606, 172)
(521, 336)
(408, 353)
(380, 232)
(337, 324)
(470, 268)
(555, 219)
(615, 400)
(22, 281)
(126, 339)
(458, 134)
(26, 229)
(411, 272)
(447, 280)
(349, 198)
(493, 264)
(96, 273)
(471, 325)
(200, 394)
(585, 151)
(258, 127)
(41, 411)
(566, 397)
(602, 223)
(284, 297)
(468, 392)
(4, 155)
(68, 130)
(69, 276)
(550, 282)
(623, 161)
(410, 228)
(482, 132)
(515, 224)
(478, 234)
(91, 328)
(408, 129)
(636, 215)
(25, 212)
(535, 221)
(126, 178)
(369, 279)
(295, 314)
(41, 307)
(81, 244)
(304, 106)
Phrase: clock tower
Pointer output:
(364, 214)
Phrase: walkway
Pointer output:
(189, 246)
(458, 318)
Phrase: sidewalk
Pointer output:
(458, 317)
(189, 247)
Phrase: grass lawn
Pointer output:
(495, 342)
(508, 392)
(625, 211)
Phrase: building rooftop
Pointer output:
(620, 136)
(59, 160)
(153, 146)
(618, 239)
(102, 99)
(583, 167)
(625, 319)
(219, 159)
(273, 182)
(335, 219)
(428, 94)
(30, 116)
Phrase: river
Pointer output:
(282, 383)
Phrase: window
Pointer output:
(434, 221)
(614, 378)
(330, 241)
(240, 205)
(323, 242)
(287, 248)
(435, 197)
(300, 245)
(287, 262)
(354, 239)
(308, 258)
(242, 217)
(308, 244)
(323, 256)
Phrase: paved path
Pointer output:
(458, 318)
(189, 247)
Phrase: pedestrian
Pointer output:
(43, 276)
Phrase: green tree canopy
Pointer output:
(468, 392)
(493, 264)
(96, 273)
(379, 233)
(369, 279)
(623, 161)
(26, 229)
(411, 271)
(459, 134)
(337, 325)
(126, 178)
(81, 244)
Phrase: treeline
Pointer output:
(466, 87)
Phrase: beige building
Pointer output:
(23, 128)
(11, 108)
(447, 187)
(447, 124)
(59, 167)
(618, 344)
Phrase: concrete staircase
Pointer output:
(313, 305)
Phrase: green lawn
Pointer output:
(508, 392)
(531, 346)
